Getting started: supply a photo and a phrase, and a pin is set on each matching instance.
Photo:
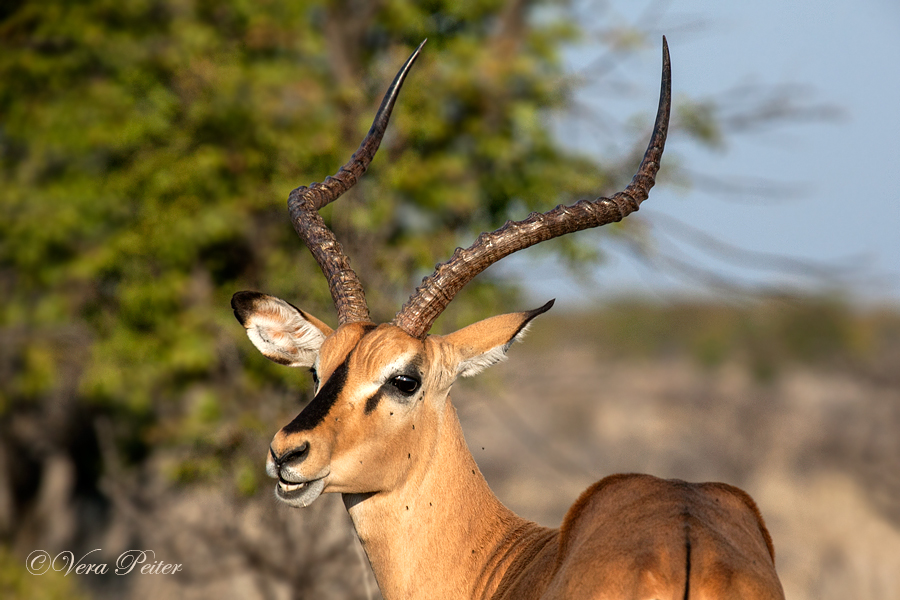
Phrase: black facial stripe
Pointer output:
(316, 411)
(372, 402)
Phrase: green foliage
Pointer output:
(147, 148)
(698, 119)
(16, 583)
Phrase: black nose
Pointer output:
(298, 454)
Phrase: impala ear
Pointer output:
(280, 330)
(485, 343)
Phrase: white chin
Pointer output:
(299, 494)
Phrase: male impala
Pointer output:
(381, 430)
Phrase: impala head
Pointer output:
(382, 390)
(380, 393)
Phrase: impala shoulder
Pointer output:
(627, 531)
(611, 490)
(738, 502)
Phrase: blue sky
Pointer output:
(843, 211)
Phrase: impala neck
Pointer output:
(443, 533)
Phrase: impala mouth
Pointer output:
(299, 493)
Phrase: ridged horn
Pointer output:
(437, 290)
(304, 204)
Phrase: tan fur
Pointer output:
(432, 528)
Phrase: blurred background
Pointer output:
(743, 327)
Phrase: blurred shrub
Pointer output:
(767, 337)
(147, 148)
(16, 583)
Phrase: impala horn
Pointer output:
(304, 204)
(437, 290)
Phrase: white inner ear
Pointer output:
(476, 364)
(282, 334)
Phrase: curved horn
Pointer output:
(305, 202)
(437, 290)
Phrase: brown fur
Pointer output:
(430, 524)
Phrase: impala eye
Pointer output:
(407, 385)
(315, 376)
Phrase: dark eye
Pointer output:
(315, 376)
(407, 385)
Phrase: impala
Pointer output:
(381, 430)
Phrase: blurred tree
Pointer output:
(147, 148)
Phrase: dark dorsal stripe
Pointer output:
(316, 411)
(687, 565)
